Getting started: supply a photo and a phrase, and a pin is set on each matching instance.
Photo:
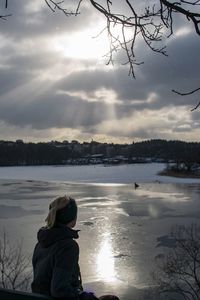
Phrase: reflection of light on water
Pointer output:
(106, 184)
(105, 261)
(172, 197)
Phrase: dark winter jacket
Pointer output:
(55, 263)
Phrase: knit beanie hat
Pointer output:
(67, 213)
(61, 210)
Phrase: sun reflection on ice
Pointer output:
(106, 261)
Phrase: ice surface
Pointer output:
(123, 229)
(93, 173)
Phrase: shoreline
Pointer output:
(171, 173)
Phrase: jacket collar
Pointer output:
(48, 236)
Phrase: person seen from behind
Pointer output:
(56, 271)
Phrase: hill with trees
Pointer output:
(182, 155)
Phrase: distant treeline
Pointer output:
(59, 153)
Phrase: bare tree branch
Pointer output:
(190, 15)
(179, 271)
(14, 266)
(188, 93)
(198, 105)
(57, 5)
(4, 17)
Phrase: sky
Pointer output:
(55, 84)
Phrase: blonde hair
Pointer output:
(55, 205)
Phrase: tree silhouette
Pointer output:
(14, 266)
(178, 273)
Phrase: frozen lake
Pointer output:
(93, 173)
(123, 230)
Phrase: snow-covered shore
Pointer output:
(93, 174)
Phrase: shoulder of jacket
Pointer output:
(67, 245)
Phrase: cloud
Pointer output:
(51, 110)
(159, 75)
(36, 20)
(46, 91)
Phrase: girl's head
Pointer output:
(62, 210)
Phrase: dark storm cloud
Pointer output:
(34, 24)
(11, 78)
(158, 75)
(117, 80)
(17, 69)
(180, 69)
(53, 110)
(30, 62)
